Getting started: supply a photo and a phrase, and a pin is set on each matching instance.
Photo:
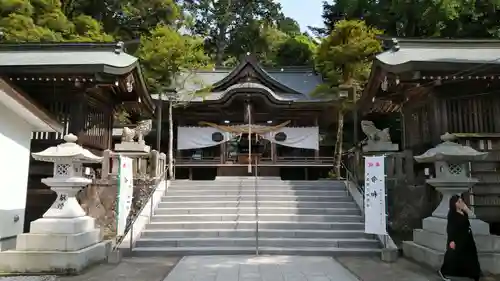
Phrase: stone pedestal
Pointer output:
(65, 240)
(379, 147)
(429, 243)
(132, 147)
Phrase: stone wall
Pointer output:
(99, 201)
(408, 205)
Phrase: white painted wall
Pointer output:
(15, 138)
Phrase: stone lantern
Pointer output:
(68, 177)
(65, 239)
(451, 161)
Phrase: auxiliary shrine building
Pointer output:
(224, 118)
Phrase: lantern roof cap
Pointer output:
(69, 150)
(450, 151)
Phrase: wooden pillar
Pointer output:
(78, 114)
(316, 152)
(306, 173)
(190, 173)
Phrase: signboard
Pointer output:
(375, 209)
(125, 193)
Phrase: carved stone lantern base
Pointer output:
(65, 240)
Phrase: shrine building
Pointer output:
(223, 118)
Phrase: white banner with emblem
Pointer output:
(375, 208)
(125, 193)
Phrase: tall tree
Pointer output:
(420, 18)
(170, 62)
(289, 26)
(344, 59)
(126, 19)
(44, 20)
(296, 51)
(219, 21)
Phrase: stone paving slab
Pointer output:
(130, 269)
(259, 268)
(373, 269)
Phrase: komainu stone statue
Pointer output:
(377, 140)
(143, 128)
(373, 134)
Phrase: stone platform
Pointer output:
(429, 244)
(61, 246)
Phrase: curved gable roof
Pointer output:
(251, 62)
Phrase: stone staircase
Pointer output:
(218, 217)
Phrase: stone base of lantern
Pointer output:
(429, 244)
(56, 245)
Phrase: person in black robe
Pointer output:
(460, 259)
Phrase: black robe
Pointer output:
(463, 260)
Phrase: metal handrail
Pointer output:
(353, 178)
(256, 175)
(132, 221)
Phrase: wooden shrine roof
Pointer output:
(292, 84)
(106, 62)
(437, 55)
(408, 64)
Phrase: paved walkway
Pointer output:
(248, 268)
(261, 268)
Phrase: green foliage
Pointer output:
(419, 18)
(44, 21)
(344, 57)
(296, 51)
(229, 24)
(289, 26)
(166, 53)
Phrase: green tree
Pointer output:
(220, 21)
(296, 51)
(420, 18)
(126, 19)
(344, 59)
(170, 62)
(44, 21)
(289, 26)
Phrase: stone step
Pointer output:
(262, 217)
(282, 225)
(251, 192)
(259, 187)
(252, 181)
(305, 251)
(251, 242)
(262, 210)
(251, 203)
(249, 233)
(199, 198)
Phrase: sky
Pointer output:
(305, 12)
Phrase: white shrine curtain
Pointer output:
(298, 137)
(198, 137)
